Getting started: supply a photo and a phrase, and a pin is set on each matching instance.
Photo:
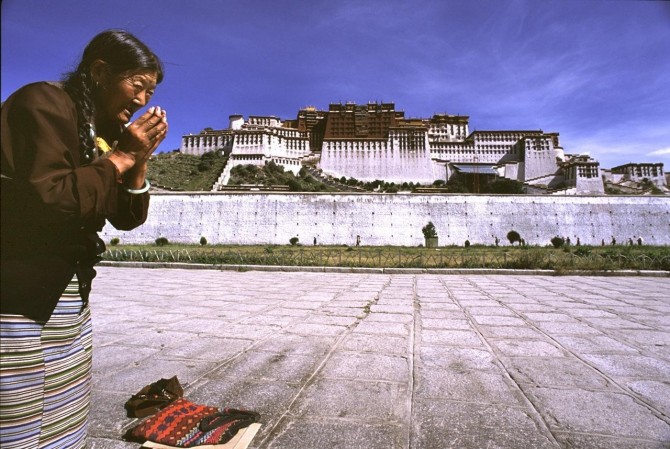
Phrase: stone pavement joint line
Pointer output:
(392, 360)
(531, 409)
(359, 319)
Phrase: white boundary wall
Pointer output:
(397, 219)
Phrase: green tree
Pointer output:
(429, 230)
(513, 236)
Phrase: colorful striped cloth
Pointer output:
(45, 377)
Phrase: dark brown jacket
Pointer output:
(52, 206)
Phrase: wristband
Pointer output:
(144, 189)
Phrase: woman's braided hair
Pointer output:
(122, 52)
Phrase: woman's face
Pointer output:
(121, 96)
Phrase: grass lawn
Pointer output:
(530, 257)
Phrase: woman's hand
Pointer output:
(139, 140)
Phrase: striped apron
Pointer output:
(45, 376)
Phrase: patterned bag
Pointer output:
(185, 424)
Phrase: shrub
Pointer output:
(161, 241)
(557, 241)
(467, 243)
(114, 241)
(429, 230)
(208, 156)
(294, 185)
(294, 241)
(203, 241)
(504, 186)
(513, 236)
(581, 251)
(456, 185)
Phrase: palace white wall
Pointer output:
(539, 158)
(200, 144)
(396, 219)
(269, 144)
(590, 185)
(385, 160)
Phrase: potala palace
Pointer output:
(374, 141)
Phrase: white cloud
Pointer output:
(661, 152)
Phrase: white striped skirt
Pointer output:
(45, 377)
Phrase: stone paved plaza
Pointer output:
(371, 360)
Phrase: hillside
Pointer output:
(185, 172)
(177, 171)
(272, 174)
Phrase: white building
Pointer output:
(376, 142)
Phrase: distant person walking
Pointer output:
(71, 159)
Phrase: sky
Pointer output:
(595, 71)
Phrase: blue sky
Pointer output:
(595, 71)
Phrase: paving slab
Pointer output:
(335, 434)
(438, 425)
(598, 412)
(364, 401)
(563, 372)
(392, 360)
(462, 386)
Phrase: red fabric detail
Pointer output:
(173, 422)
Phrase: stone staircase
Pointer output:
(308, 162)
(223, 178)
